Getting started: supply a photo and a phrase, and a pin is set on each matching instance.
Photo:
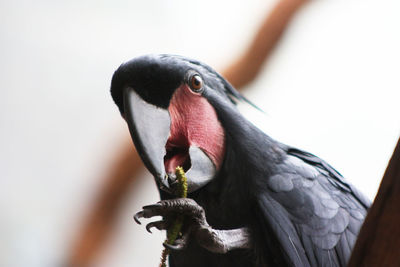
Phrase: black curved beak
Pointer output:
(149, 127)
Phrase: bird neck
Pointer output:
(248, 159)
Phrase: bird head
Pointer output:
(168, 103)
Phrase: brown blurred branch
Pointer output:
(98, 227)
(378, 243)
(246, 68)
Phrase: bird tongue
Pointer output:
(176, 157)
(175, 161)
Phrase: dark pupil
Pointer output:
(196, 81)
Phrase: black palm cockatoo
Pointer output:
(252, 201)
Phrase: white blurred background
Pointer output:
(332, 87)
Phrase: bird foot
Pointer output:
(195, 226)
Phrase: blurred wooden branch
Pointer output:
(246, 67)
(378, 243)
(101, 220)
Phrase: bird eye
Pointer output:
(195, 83)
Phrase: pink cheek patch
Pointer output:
(194, 122)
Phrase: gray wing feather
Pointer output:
(314, 212)
(285, 231)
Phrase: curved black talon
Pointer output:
(137, 216)
(157, 205)
(160, 225)
(180, 243)
(177, 247)
(148, 228)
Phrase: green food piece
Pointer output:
(175, 229)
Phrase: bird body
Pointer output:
(258, 202)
